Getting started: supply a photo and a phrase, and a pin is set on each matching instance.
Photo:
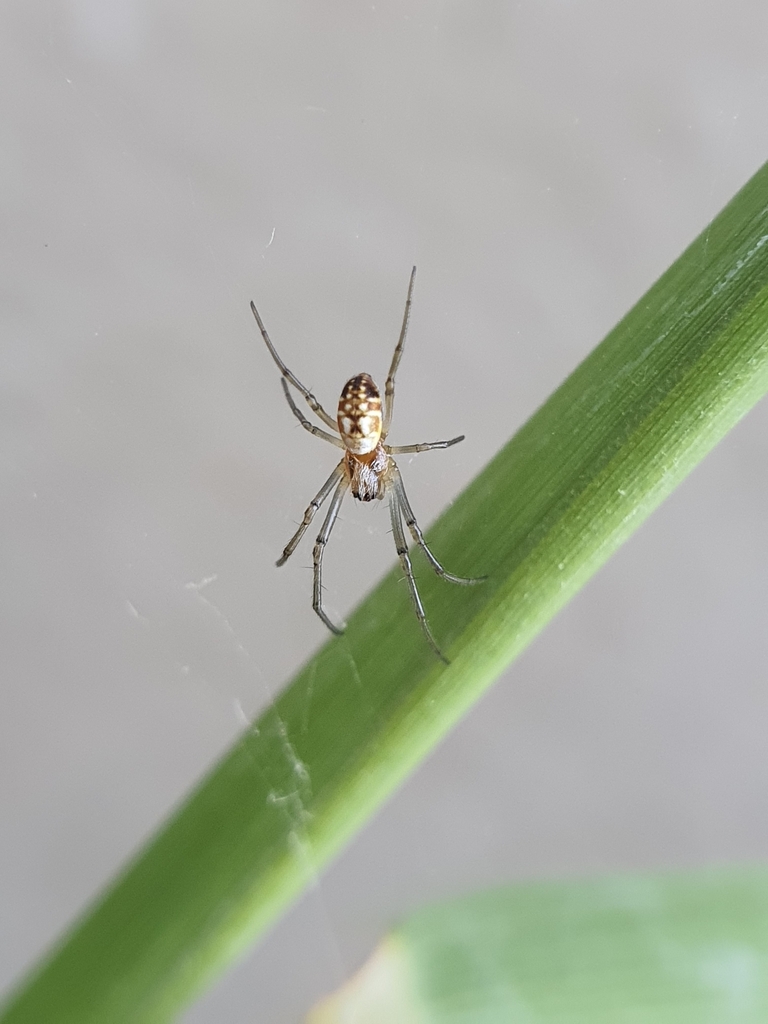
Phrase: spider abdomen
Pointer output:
(359, 415)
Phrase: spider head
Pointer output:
(359, 415)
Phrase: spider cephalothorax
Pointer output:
(367, 473)
(367, 468)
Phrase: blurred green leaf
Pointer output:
(658, 949)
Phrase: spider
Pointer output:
(367, 467)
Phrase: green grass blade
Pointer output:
(666, 384)
(664, 949)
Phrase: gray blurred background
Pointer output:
(163, 163)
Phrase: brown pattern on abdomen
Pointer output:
(359, 416)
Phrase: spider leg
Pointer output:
(395, 512)
(312, 402)
(309, 514)
(389, 387)
(404, 449)
(317, 553)
(305, 422)
(413, 526)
